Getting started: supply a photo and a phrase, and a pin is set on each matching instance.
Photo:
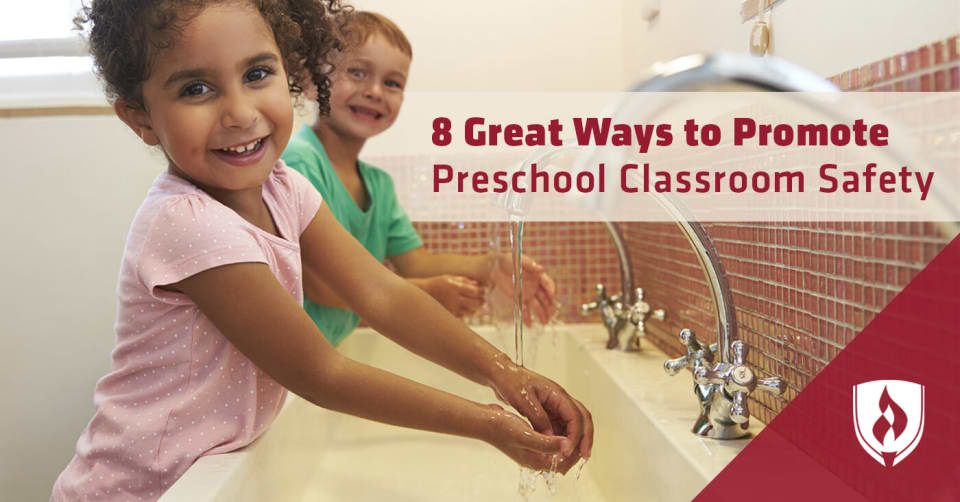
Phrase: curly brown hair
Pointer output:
(124, 34)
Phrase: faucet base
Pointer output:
(707, 428)
(714, 420)
(632, 343)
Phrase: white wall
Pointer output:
(72, 184)
(510, 45)
(71, 187)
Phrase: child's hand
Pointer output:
(460, 295)
(539, 288)
(514, 437)
(549, 408)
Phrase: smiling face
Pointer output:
(367, 89)
(218, 103)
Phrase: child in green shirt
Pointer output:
(365, 97)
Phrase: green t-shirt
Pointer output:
(383, 228)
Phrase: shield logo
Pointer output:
(888, 418)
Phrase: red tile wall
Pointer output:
(802, 290)
(932, 67)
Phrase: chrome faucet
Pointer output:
(616, 317)
(722, 387)
(722, 381)
(620, 310)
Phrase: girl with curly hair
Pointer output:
(210, 331)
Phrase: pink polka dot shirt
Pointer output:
(178, 389)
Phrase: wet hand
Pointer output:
(513, 436)
(538, 288)
(549, 408)
(460, 295)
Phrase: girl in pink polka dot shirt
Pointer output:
(210, 329)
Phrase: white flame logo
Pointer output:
(888, 418)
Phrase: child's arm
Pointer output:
(259, 317)
(408, 316)
(460, 295)
(497, 268)
(319, 292)
(422, 263)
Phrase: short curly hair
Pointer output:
(124, 34)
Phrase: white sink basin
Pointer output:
(643, 449)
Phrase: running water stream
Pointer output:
(528, 477)
(516, 253)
